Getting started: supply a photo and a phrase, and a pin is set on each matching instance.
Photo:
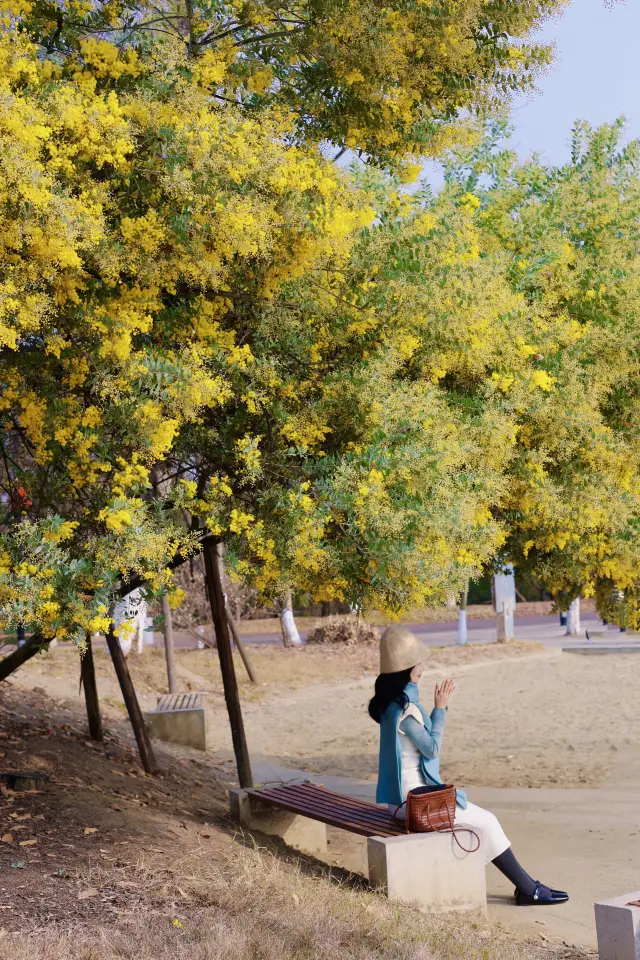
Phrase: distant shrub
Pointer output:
(344, 630)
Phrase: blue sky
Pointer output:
(595, 77)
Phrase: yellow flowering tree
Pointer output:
(569, 239)
(158, 194)
(130, 202)
(386, 79)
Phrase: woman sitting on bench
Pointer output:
(410, 742)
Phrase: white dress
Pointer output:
(492, 837)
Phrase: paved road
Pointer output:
(545, 630)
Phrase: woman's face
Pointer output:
(416, 673)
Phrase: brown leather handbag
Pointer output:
(432, 809)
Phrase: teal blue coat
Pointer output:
(428, 739)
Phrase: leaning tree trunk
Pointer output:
(19, 656)
(290, 635)
(215, 590)
(573, 618)
(242, 650)
(88, 674)
(131, 701)
(462, 617)
(167, 630)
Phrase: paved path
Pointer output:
(545, 630)
(584, 841)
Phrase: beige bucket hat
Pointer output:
(399, 650)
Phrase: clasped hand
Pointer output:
(443, 692)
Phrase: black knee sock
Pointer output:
(507, 864)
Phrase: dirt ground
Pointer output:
(521, 716)
(113, 847)
(104, 862)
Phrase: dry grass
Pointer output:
(249, 905)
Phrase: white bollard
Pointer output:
(618, 927)
(504, 586)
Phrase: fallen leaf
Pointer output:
(91, 892)
(28, 843)
(7, 838)
(39, 817)
(24, 816)
(114, 806)
(88, 830)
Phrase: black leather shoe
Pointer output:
(537, 900)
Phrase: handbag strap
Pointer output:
(454, 831)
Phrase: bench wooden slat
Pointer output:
(325, 798)
(337, 818)
(348, 814)
(335, 810)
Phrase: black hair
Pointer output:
(389, 688)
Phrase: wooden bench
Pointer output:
(180, 718)
(424, 868)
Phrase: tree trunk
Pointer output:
(221, 625)
(167, 630)
(21, 654)
(242, 650)
(573, 618)
(88, 674)
(133, 707)
(141, 623)
(462, 617)
(290, 633)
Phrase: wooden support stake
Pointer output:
(167, 630)
(88, 674)
(242, 650)
(133, 707)
(223, 643)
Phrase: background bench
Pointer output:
(180, 718)
(424, 868)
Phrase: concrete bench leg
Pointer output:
(301, 833)
(186, 727)
(430, 870)
(618, 927)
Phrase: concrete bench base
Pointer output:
(618, 927)
(300, 833)
(179, 718)
(428, 869)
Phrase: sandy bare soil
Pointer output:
(521, 716)
(544, 720)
